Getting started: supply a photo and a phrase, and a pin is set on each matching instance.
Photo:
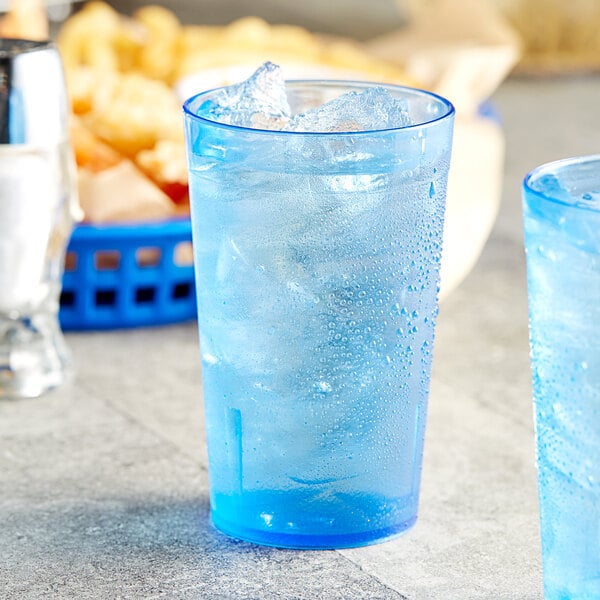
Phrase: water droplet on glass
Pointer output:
(323, 387)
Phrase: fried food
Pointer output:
(166, 165)
(98, 36)
(91, 153)
(158, 55)
(86, 84)
(251, 40)
(133, 113)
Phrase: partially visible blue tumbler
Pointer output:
(562, 238)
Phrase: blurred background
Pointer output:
(556, 35)
(355, 18)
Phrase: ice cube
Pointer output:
(373, 109)
(260, 102)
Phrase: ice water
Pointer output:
(563, 259)
(317, 262)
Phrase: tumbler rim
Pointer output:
(341, 83)
(554, 167)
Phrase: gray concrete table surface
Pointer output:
(103, 483)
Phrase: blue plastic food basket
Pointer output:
(128, 276)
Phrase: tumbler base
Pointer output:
(288, 520)
(33, 355)
(300, 541)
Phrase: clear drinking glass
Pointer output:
(37, 206)
(562, 238)
(317, 259)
